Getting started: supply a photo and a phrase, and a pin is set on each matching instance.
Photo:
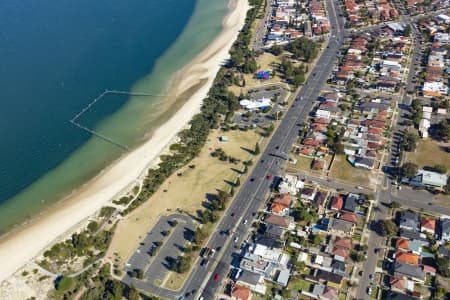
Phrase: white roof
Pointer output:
(424, 124)
(245, 102)
(444, 17)
(442, 111)
(433, 178)
(427, 109)
(426, 115)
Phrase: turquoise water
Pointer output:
(56, 57)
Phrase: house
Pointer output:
(278, 220)
(239, 292)
(320, 200)
(445, 229)
(329, 294)
(253, 281)
(338, 226)
(321, 276)
(281, 204)
(428, 224)
(275, 232)
(407, 258)
(391, 295)
(343, 242)
(351, 202)
(402, 244)
(409, 220)
(398, 283)
(288, 185)
(364, 162)
(414, 236)
(283, 277)
(410, 271)
(349, 217)
(337, 202)
(338, 267)
(429, 179)
(308, 194)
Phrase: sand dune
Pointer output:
(22, 246)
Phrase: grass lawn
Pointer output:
(174, 281)
(303, 164)
(430, 153)
(356, 237)
(296, 284)
(186, 192)
(374, 293)
(343, 170)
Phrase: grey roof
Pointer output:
(283, 277)
(364, 161)
(445, 226)
(412, 235)
(275, 230)
(409, 270)
(369, 106)
(249, 277)
(397, 296)
(350, 203)
(409, 220)
(332, 109)
(318, 289)
(268, 242)
(325, 275)
(338, 265)
(319, 199)
(341, 225)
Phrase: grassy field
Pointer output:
(266, 61)
(343, 170)
(430, 153)
(186, 192)
(303, 164)
(174, 281)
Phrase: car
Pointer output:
(360, 273)
(218, 248)
(369, 290)
(236, 239)
(233, 214)
(245, 221)
(252, 179)
(204, 262)
(371, 276)
(216, 277)
(269, 177)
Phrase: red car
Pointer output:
(216, 277)
(269, 177)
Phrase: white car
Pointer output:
(245, 221)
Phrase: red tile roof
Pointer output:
(350, 217)
(337, 202)
(343, 242)
(428, 223)
(240, 292)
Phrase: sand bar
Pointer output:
(27, 242)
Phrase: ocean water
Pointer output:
(56, 56)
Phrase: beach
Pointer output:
(62, 218)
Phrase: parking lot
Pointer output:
(173, 239)
(276, 93)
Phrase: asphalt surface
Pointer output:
(156, 267)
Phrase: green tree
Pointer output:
(443, 266)
(276, 50)
(257, 150)
(65, 284)
(442, 131)
(387, 227)
(409, 170)
(92, 226)
(439, 169)
(298, 79)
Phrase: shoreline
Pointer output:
(28, 240)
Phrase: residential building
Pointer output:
(239, 292)
(351, 202)
(338, 226)
(337, 202)
(445, 229)
(410, 271)
(429, 179)
(428, 224)
(409, 220)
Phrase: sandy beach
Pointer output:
(27, 242)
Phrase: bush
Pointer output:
(64, 284)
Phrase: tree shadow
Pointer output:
(237, 171)
(251, 151)
(230, 183)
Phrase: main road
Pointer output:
(253, 192)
